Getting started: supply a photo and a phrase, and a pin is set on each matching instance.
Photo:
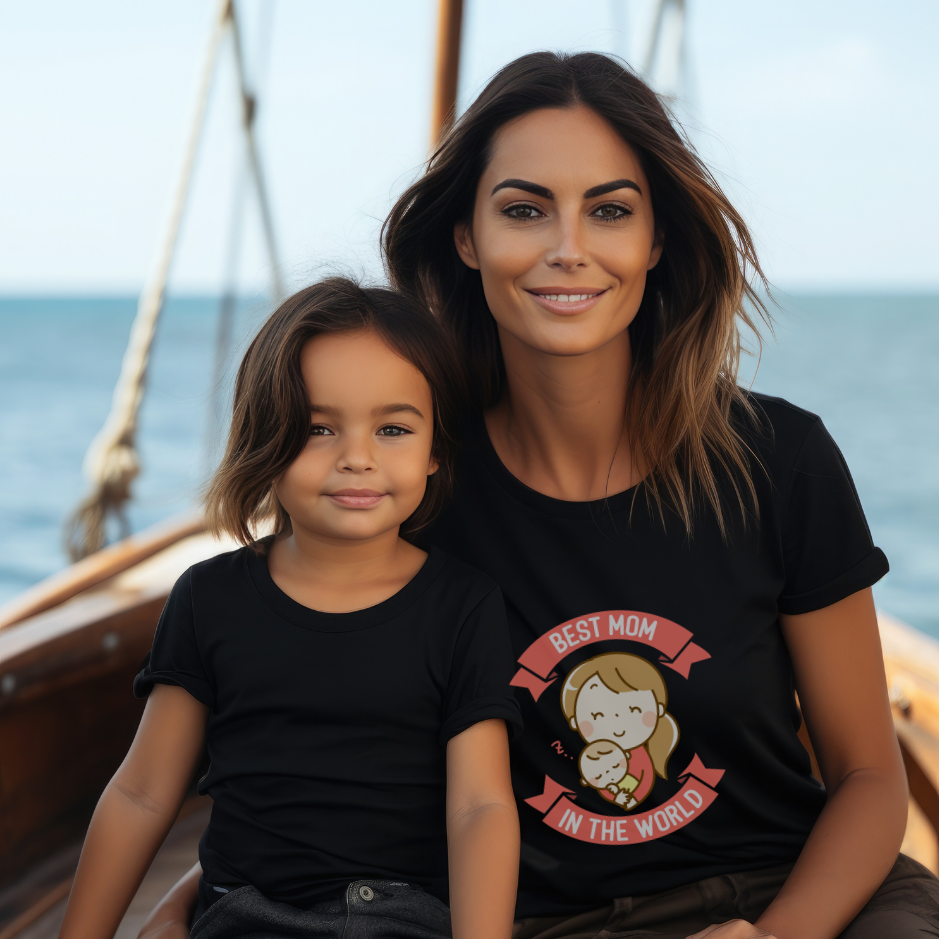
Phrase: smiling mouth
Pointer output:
(357, 498)
(565, 301)
(558, 297)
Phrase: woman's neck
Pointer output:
(559, 427)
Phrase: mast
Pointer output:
(665, 51)
(447, 73)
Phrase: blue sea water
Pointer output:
(866, 364)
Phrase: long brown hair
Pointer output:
(271, 415)
(683, 401)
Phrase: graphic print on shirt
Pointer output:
(617, 702)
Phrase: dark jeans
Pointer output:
(905, 906)
(368, 909)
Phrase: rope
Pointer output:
(112, 462)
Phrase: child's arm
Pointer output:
(482, 830)
(135, 812)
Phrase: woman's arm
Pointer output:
(482, 831)
(136, 810)
(839, 672)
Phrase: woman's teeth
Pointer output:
(567, 298)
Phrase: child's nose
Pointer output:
(357, 456)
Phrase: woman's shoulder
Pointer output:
(782, 434)
(458, 579)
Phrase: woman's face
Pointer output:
(562, 231)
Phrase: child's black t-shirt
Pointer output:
(327, 732)
(596, 580)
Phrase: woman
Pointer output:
(630, 497)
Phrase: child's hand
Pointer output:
(613, 788)
(174, 930)
(170, 918)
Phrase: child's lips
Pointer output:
(357, 498)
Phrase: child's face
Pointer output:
(601, 769)
(364, 468)
(626, 717)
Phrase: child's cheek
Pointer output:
(648, 718)
(622, 763)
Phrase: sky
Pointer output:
(820, 119)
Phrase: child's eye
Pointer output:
(392, 430)
(610, 212)
(522, 211)
(318, 430)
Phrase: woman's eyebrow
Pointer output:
(604, 188)
(524, 185)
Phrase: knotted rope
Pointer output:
(112, 462)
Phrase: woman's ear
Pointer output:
(658, 243)
(661, 710)
(433, 465)
(574, 723)
(463, 239)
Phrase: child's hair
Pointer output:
(620, 672)
(271, 414)
(593, 751)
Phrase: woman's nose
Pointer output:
(569, 252)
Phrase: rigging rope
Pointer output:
(112, 462)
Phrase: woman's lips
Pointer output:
(357, 498)
(567, 300)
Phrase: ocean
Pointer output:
(867, 364)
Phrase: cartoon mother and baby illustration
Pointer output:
(617, 703)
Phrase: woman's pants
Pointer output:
(905, 906)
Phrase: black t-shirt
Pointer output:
(327, 732)
(689, 673)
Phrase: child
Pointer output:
(352, 691)
(605, 766)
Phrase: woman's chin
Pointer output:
(565, 339)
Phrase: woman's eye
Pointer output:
(609, 212)
(318, 430)
(598, 714)
(521, 211)
(392, 430)
(637, 710)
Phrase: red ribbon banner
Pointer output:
(674, 643)
(687, 804)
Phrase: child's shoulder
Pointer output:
(220, 569)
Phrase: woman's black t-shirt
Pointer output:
(327, 732)
(673, 754)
